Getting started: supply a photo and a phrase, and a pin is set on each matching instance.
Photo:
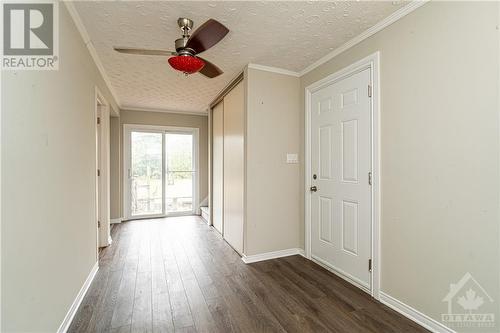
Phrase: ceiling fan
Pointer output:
(187, 48)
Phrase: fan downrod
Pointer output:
(186, 25)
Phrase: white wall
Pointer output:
(48, 190)
(273, 122)
(439, 149)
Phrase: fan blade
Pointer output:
(206, 36)
(131, 50)
(210, 70)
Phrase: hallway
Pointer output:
(177, 274)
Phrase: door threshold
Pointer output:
(158, 217)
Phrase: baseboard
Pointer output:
(115, 221)
(271, 255)
(413, 314)
(78, 300)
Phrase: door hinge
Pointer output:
(369, 90)
(370, 181)
(369, 265)
(98, 120)
(98, 172)
(98, 224)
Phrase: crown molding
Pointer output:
(273, 70)
(186, 113)
(237, 79)
(93, 53)
(397, 15)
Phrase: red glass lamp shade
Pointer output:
(186, 63)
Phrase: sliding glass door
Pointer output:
(146, 174)
(180, 172)
(161, 176)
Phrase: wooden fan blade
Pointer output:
(206, 36)
(210, 70)
(131, 50)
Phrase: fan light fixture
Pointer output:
(188, 47)
(186, 63)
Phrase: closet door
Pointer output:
(218, 166)
(234, 171)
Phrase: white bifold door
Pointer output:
(161, 171)
(341, 166)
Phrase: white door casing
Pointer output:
(103, 165)
(342, 231)
(218, 166)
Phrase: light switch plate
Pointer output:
(292, 158)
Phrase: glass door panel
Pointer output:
(146, 174)
(180, 173)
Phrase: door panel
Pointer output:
(341, 157)
(146, 171)
(104, 177)
(218, 166)
(234, 171)
(326, 219)
(180, 173)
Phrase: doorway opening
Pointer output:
(161, 177)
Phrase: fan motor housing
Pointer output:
(180, 47)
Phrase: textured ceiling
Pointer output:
(288, 35)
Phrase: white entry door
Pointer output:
(340, 167)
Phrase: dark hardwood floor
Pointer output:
(178, 275)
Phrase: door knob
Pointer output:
(313, 188)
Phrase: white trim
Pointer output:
(103, 164)
(63, 328)
(397, 15)
(271, 255)
(188, 113)
(273, 70)
(373, 62)
(93, 53)
(414, 315)
(116, 221)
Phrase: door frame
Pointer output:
(127, 129)
(211, 163)
(102, 173)
(373, 63)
